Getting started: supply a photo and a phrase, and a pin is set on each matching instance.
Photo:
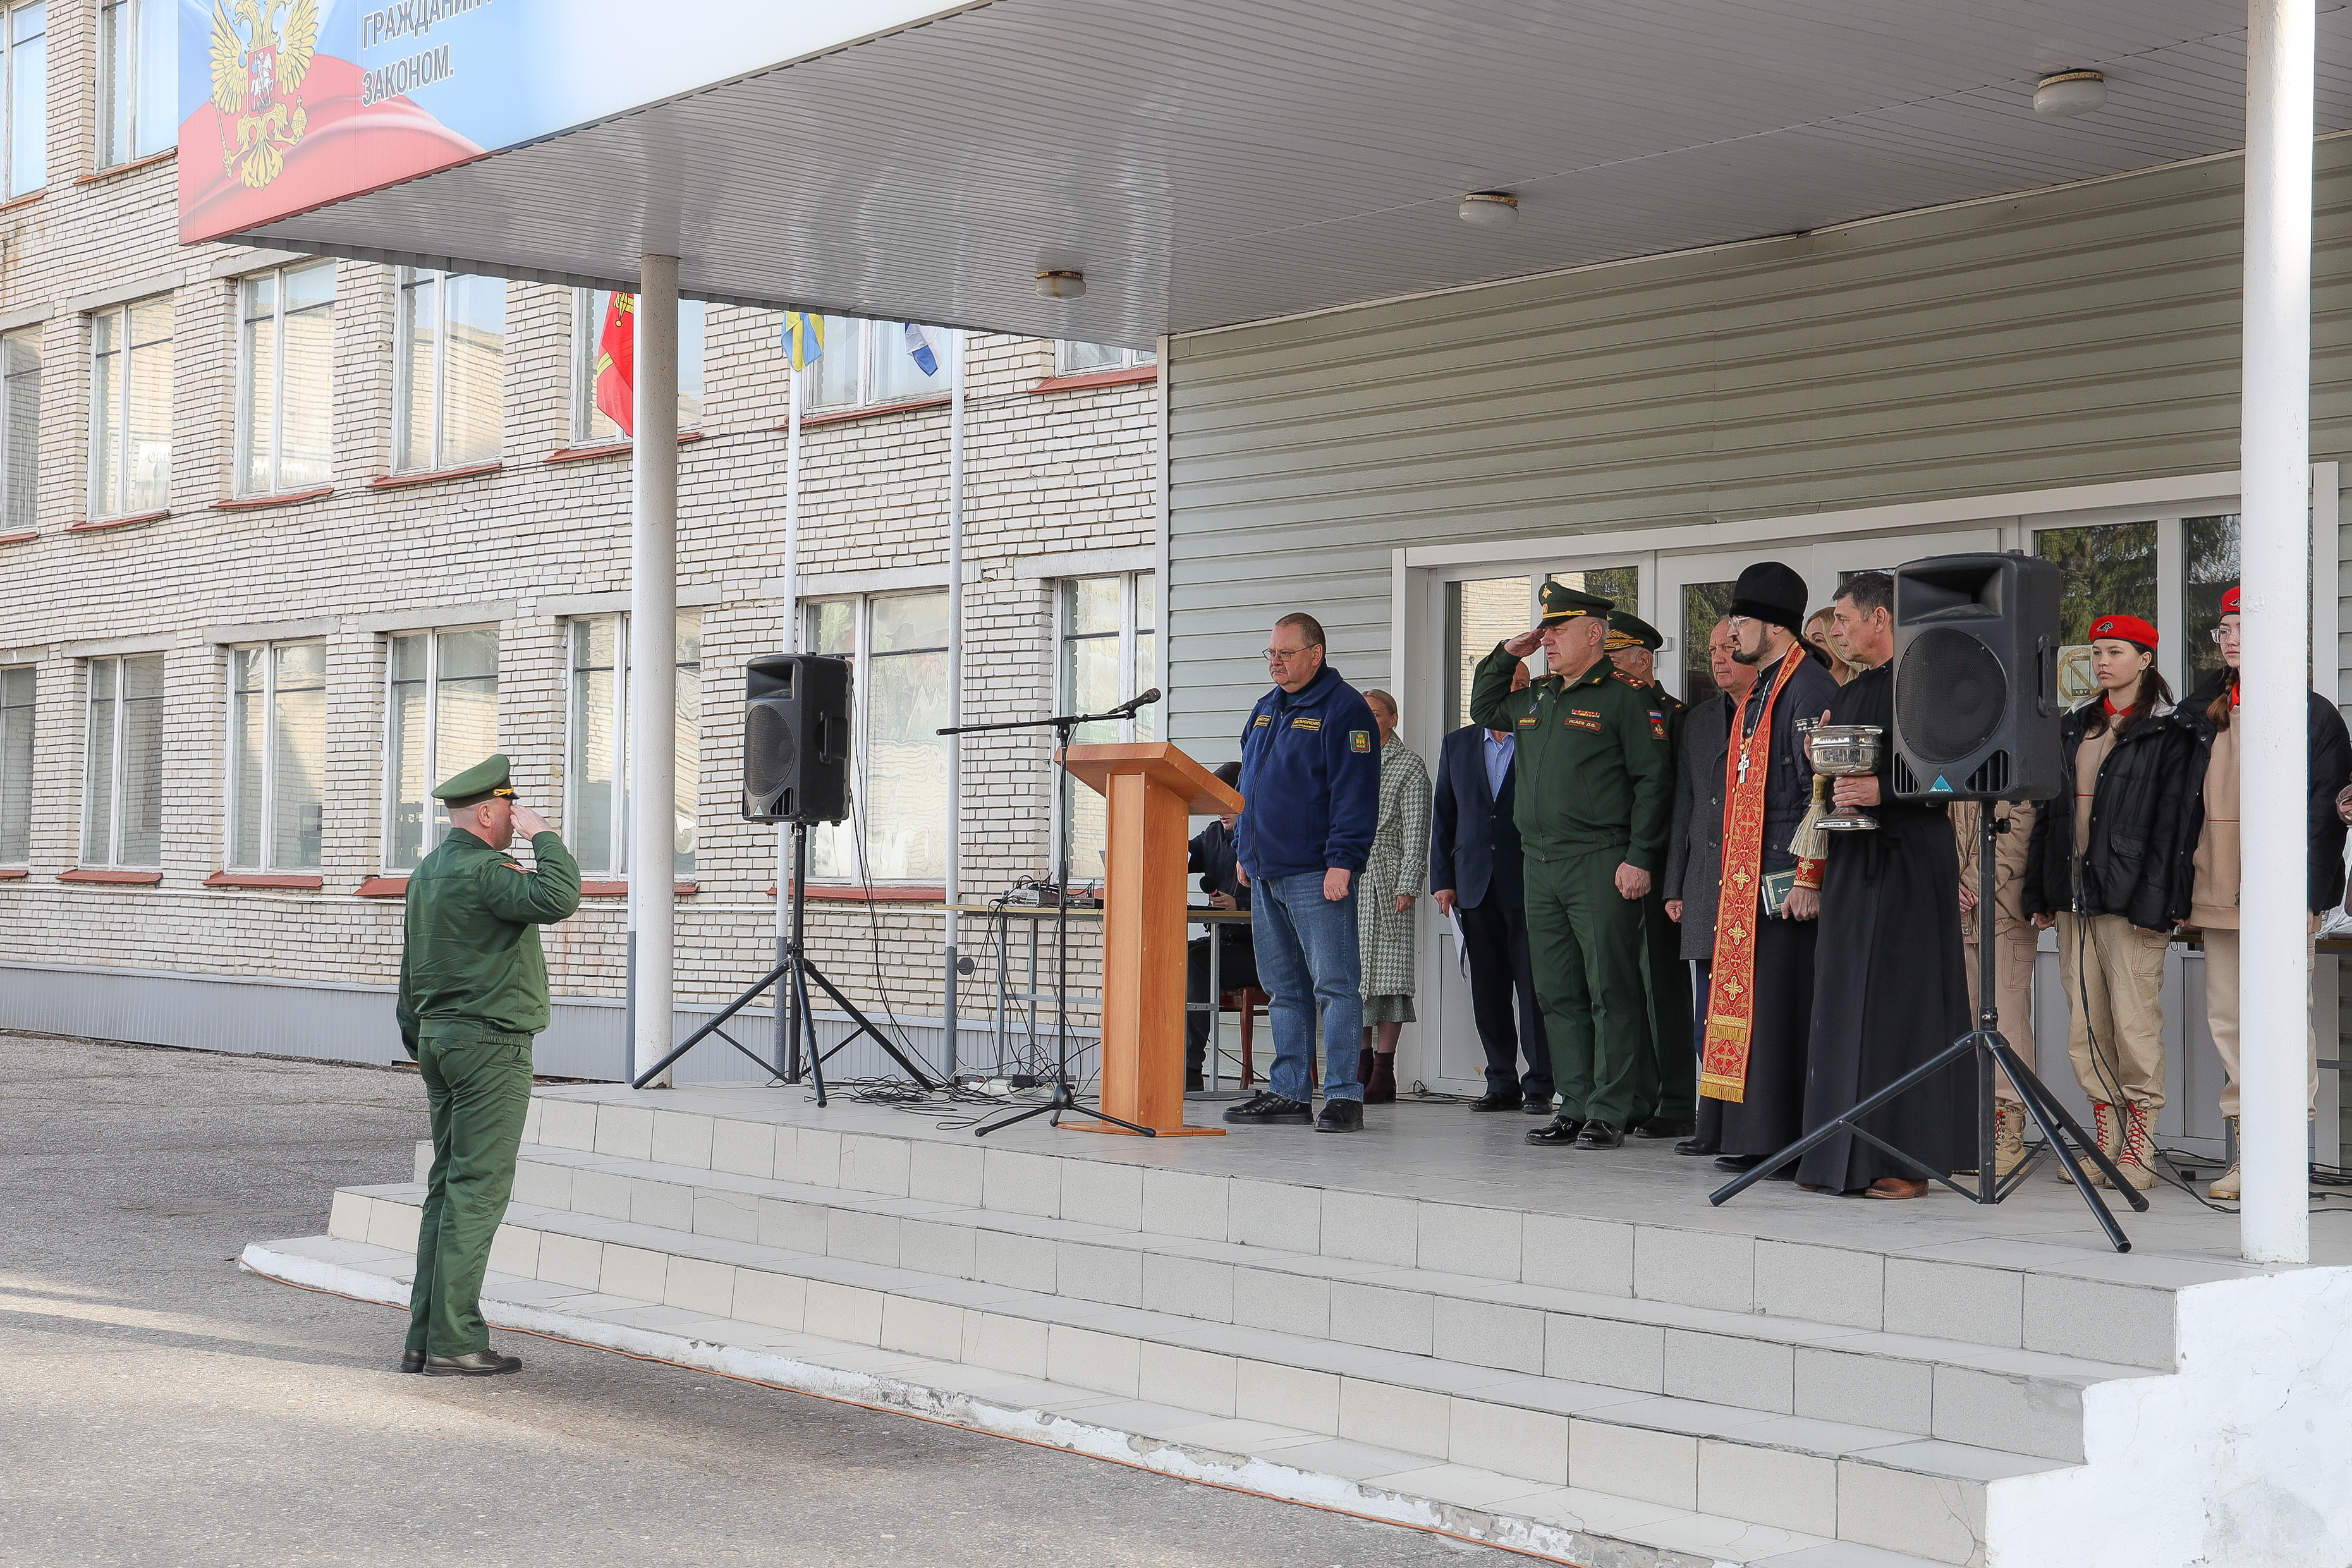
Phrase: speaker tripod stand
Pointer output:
(790, 978)
(1988, 1048)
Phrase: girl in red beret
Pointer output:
(2100, 868)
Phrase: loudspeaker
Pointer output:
(796, 738)
(1976, 678)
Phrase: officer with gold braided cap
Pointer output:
(1595, 798)
(473, 992)
(1632, 646)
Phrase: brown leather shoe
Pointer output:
(473, 1364)
(1895, 1186)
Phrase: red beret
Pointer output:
(2230, 600)
(2130, 628)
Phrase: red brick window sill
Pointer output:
(1085, 378)
(116, 171)
(99, 524)
(433, 477)
(25, 537)
(264, 879)
(383, 887)
(25, 200)
(259, 502)
(11, 872)
(620, 889)
(835, 892)
(879, 410)
(609, 449)
(89, 873)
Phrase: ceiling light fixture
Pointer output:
(1060, 285)
(2070, 93)
(1490, 209)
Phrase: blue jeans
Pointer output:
(1307, 963)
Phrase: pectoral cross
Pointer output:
(1745, 754)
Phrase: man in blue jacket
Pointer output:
(1311, 789)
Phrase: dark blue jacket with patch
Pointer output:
(1311, 780)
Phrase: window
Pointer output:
(276, 755)
(26, 122)
(16, 764)
(866, 363)
(898, 781)
(441, 716)
(286, 379)
(20, 427)
(1109, 633)
(2110, 570)
(1076, 359)
(131, 410)
(449, 378)
(1477, 616)
(2208, 566)
(596, 814)
(1704, 604)
(589, 427)
(123, 792)
(138, 84)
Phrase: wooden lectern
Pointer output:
(1152, 791)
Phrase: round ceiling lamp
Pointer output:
(1060, 285)
(2069, 93)
(1490, 209)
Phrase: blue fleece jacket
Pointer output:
(1311, 780)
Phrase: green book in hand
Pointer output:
(1778, 885)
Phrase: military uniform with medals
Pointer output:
(1595, 791)
(1663, 972)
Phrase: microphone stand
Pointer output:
(1064, 1097)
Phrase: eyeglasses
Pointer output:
(2217, 633)
(1281, 656)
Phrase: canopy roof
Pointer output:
(1227, 161)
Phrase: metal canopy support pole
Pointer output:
(788, 1030)
(2275, 953)
(955, 678)
(653, 656)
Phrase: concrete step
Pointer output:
(1578, 1525)
(1862, 1485)
(2009, 1296)
(2023, 1401)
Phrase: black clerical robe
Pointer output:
(1889, 990)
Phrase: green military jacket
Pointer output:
(1663, 701)
(1594, 770)
(472, 953)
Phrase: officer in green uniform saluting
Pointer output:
(473, 992)
(1632, 646)
(1595, 802)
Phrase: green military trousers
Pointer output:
(1585, 944)
(476, 1088)
(1668, 981)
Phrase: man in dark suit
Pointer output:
(1474, 871)
(1213, 858)
(1694, 876)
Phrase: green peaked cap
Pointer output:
(476, 784)
(1627, 629)
(1561, 603)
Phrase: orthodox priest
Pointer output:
(1759, 1002)
(1890, 989)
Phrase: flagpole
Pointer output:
(955, 677)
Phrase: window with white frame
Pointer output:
(1072, 358)
(122, 763)
(450, 371)
(20, 427)
(16, 764)
(898, 645)
(1109, 640)
(138, 78)
(131, 409)
(869, 364)
(441, 716)
(286, 375)
(596, 808)
(591, 426)
(276, 755)
(25, 122)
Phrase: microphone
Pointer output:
(1127, 709)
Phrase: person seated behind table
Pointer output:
(1213, 859)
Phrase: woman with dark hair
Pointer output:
(2205, 855)
(2101, 867)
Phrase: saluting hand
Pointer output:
(1526, 643)
(530, 823)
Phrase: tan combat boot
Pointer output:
(2008, 1139)
(2226, 1187)
(2106, 1126)
(2136, 1161)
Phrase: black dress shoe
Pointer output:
(1739, 1165)
(1698, 1146)
(1269, 1109)
(1561, 1131)
(1541, 1107)
(1341, 1116)
(1496, 1102)
(1655, 1128)
(1599, 1135)
(473, 1363)
(412, 1361)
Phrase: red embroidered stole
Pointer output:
(1731, 987)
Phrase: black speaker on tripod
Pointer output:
(796, 738)
(1976, 678)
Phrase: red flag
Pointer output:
(616, 363)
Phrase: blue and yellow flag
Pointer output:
(803, 338)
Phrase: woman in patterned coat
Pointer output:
(1392, 879)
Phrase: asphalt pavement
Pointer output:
(158, 1406)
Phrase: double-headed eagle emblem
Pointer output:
(257, 76)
